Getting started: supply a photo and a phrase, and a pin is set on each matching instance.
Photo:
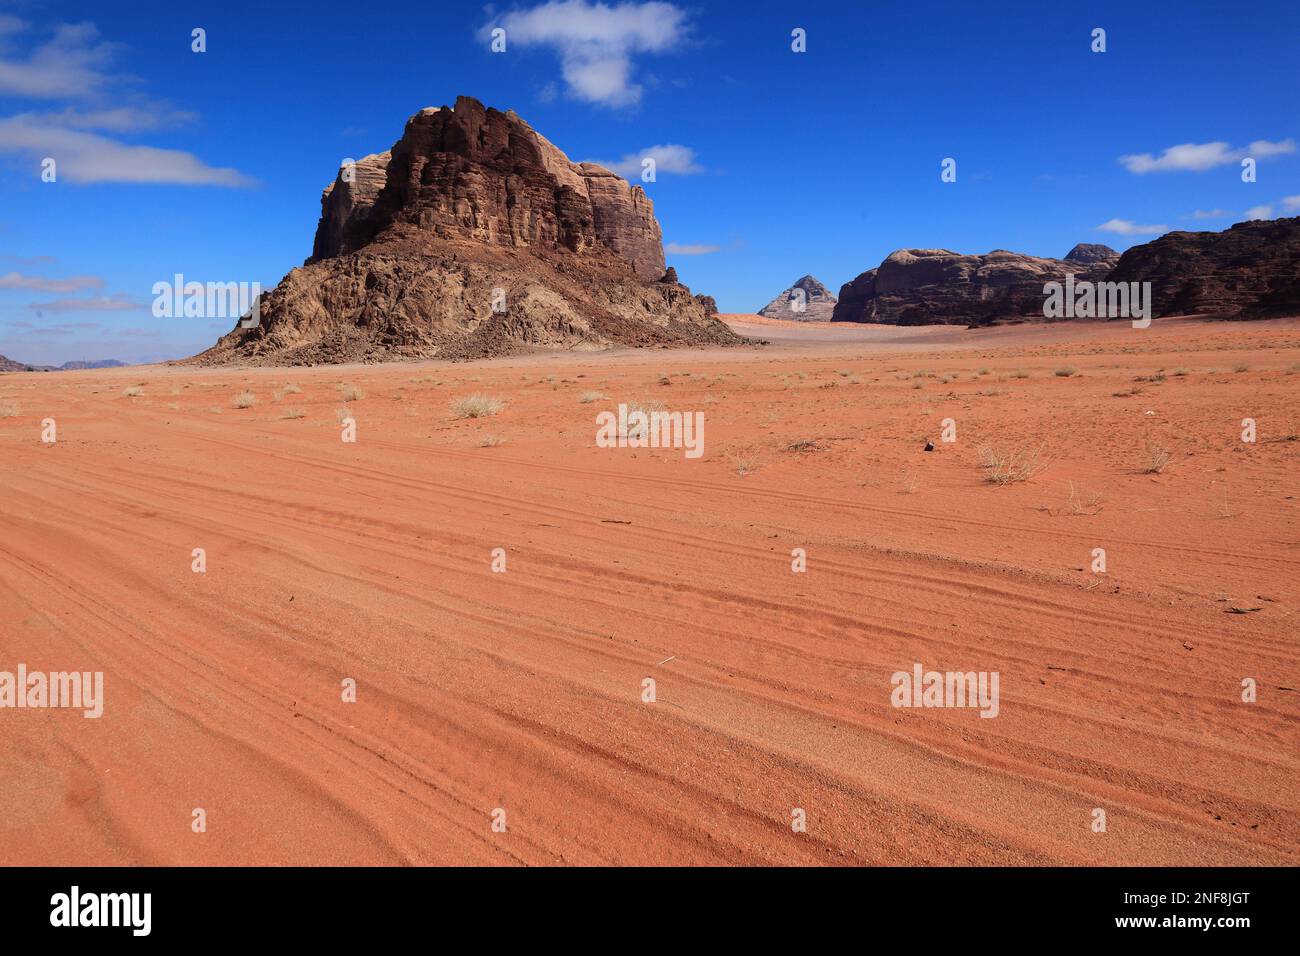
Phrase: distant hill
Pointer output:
(102, 363)
(9, 365)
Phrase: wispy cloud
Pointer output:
(1198, 157)
(117, 302)
(679, 249)
(71, 63)
(1259, 212)
(596, 42)
(1127, 227)
(83, 157)
(670, 158)
(1212, 214)
(1291, 203)
(16, 280)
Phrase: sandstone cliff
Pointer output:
(1249, 270)
(474, 235)
(938, 286)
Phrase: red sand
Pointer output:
(522, 690)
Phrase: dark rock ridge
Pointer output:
(473, 236)
(1251, 270)
(805, 301)
(938, 286)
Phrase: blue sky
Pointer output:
(212, 164)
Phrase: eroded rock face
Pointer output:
(938, 286)
(474, 235)
(1250, 270)
(805, 301)
(350, 196)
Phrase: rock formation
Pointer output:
(805, 301)
(938, 286)
(474, 236)
(1092, 253)
(9, 365)
(1250, 270)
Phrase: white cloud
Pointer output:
(83, 157)
(117, 302)
(1198, 157)
(596, 42)
(1259, 212)
(119, 119)
(678, 249)
(71, 63)
(669, 158)
(1127, 227)
(74, 65)
(1212, 214)
(16, 280)
(1291, 203)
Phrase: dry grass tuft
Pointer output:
(1005, 468)
(245, 399)
(1154, 458)
(476, 406)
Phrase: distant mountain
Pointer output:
(805, 301)
(102, 363)
(9, 365)
(1091, 253)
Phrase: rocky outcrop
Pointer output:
(1092, 254)
(9, 365)
(805, 301)
(1250, 270)
(474, 235)
(349, 198)
(938, 286)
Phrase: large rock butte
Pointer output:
(805, 301)
(1251, 270)
(938, 286)
(474, 236)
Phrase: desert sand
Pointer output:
(478, 690)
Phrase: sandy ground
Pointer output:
(523, 690)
